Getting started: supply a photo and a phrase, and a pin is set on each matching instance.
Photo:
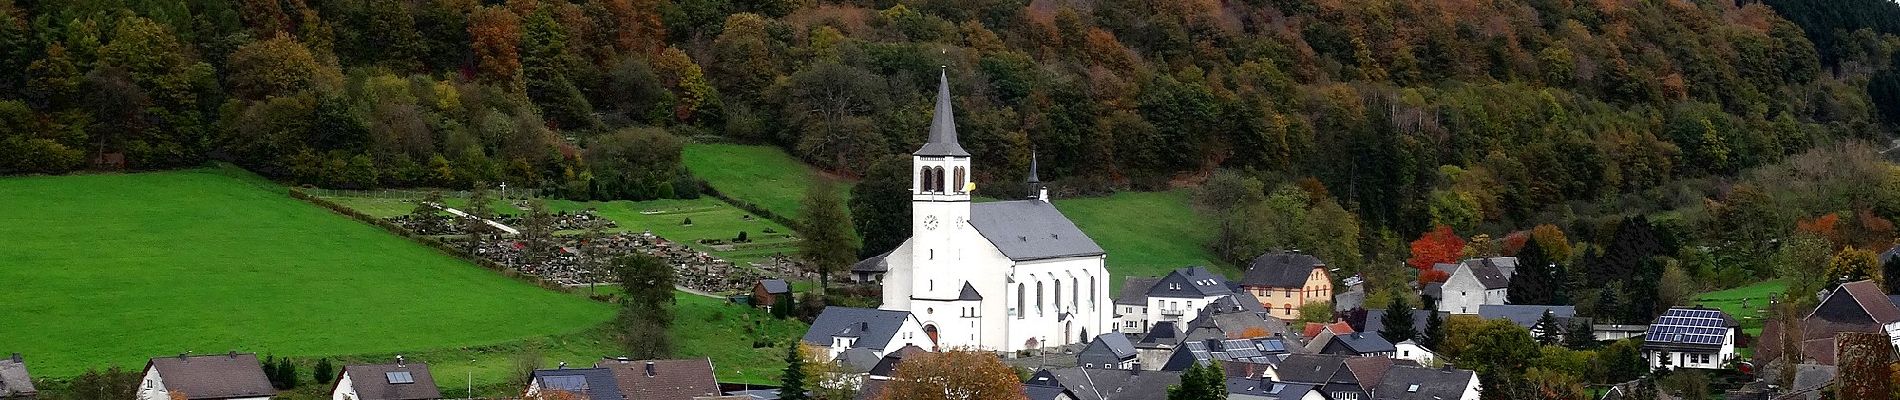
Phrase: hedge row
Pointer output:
(755, 209)
(426, 240)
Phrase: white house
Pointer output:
(232, 376)
(1475, 282)
(1180, 295)
(1410, 350)
(1131, 307)
(1690, 338)
(880, 331)
(1004, 275)
(399, 381)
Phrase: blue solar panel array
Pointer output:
(1706, 327)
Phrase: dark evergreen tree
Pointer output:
(1581, 335)
(880, 206)
(792, 382)
(1200, 382)
(1533, 283)
(1550, 332)
(324, 371)
(1398, 320)
(1890, 270)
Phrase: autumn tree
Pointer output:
(1865, 360)
(494, 34)
(1438, 246)
(957, 374)
(1851, 264)
(698, 101)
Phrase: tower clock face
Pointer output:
(930, 222)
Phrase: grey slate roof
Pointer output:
(874, 327)
(776, 286)
(1493, 273)
(214, 377)
(1190, 282)
(859, 359)
(1523, 315)
(1433, 383)
(1230, 325)
(14, 379)
(1030, 230)
(888, 365)
(943, 125)
(1108, 384)
(1114, 343)
(1809, 376)
(873, 264)
(1280, 270)
(1241, 301)
(1135, 291)
(372, 382)
(1243, 388)
(1350, 299)
(1164, 333)
(969, 293)
(1038, 392)
(1365, 342)
(1311, 368)
(599, 382)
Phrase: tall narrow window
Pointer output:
(1019, 301)
(1038, 298)
(959, 181)
(923, 180)
(1076, 294)
(940, 180)
(1091, 292)
(1057, 301)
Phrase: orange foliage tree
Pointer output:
(960, 374)
(494, 33)
(1438, 246)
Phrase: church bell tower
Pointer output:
(940, 204)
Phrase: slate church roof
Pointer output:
(1280, 270)
(408, 381)
(1030, 230)
(215, 376)
(873, 328)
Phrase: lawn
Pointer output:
(1145, 233)
(111, 269)
(762, 175)
(1730, 301)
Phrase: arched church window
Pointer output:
(1076, 294)
(940, 180)
(959, 187)
(1019, 301)
(1038, 298)
(923, 180)
(1091, 292)
(1057, 301)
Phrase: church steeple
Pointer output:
(943, 126)
(1036, 190)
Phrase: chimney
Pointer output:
(649, 369)
(399, 360)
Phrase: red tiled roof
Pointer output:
(1338, 328)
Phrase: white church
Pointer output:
(1000, 276)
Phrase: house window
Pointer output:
(1289, 293)
(1286, 308)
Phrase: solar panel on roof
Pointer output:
(399, 377)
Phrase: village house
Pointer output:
(1411, 350)
(1858, 306)
(1226, 351)
(15, 382)
(1258, 389)
(232, 376)
(1690, 338)
(1180, 294)
(399, 381)
(1108, 384)
(1475, 282)
(1107, 351)
(1158, 345)
(1359, 344)
(1131, 307)
(1284, 281)
(1001, 276)
(688, 379)
(1529, 316)
(768, 292)
(881, 331)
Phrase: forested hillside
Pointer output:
(1407, 113)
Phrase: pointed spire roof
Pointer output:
(943, 125)
(1033, 178)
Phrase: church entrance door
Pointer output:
(931, 331)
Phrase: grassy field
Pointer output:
(1145, 233)
(712, 219)
(762, 175)
(112, 269)
(1730, 301)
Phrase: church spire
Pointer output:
(943, 125)
(1036, 190)
(1033, 179)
